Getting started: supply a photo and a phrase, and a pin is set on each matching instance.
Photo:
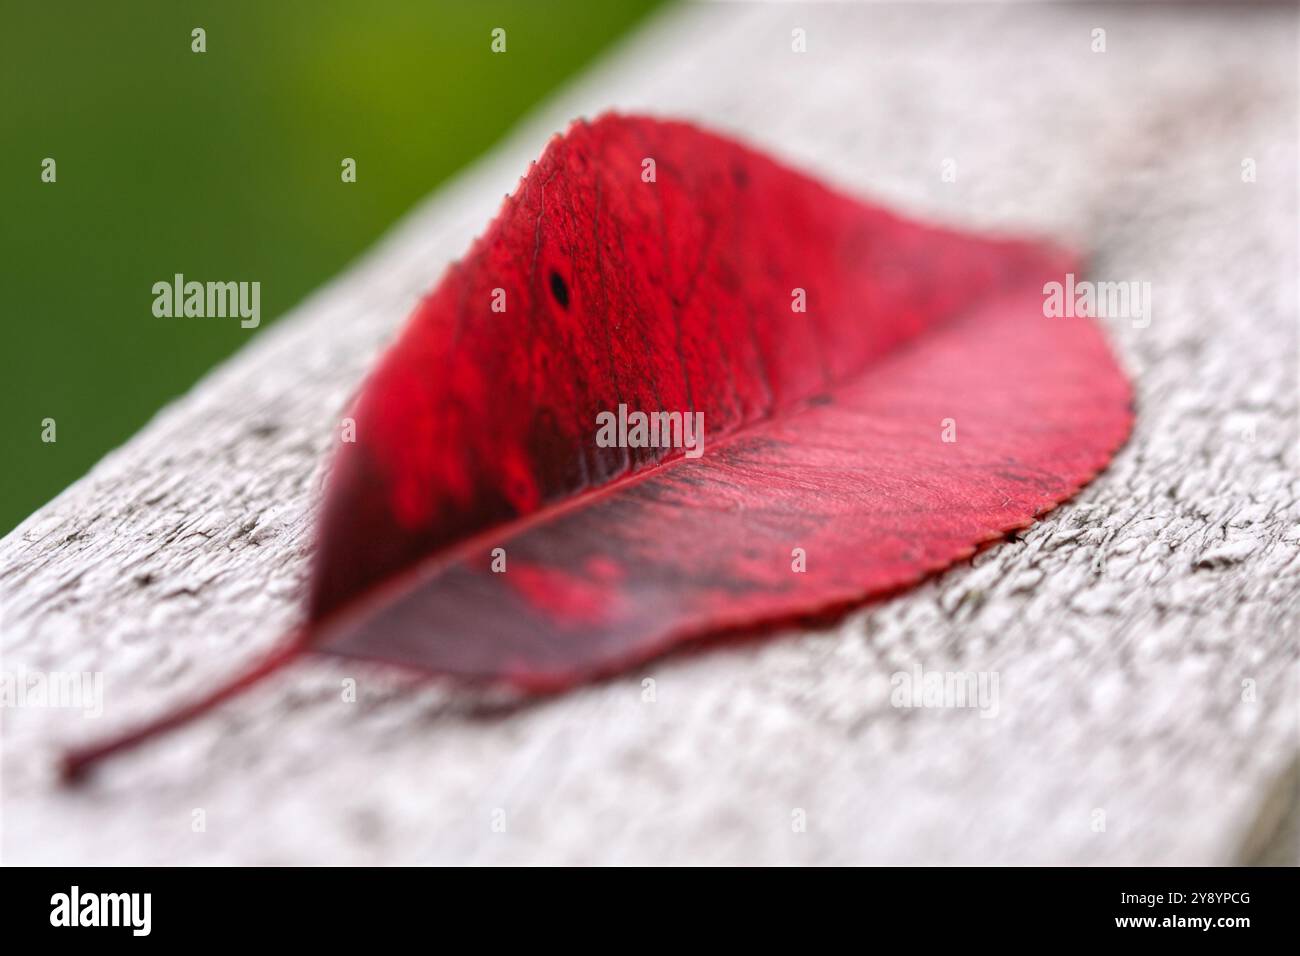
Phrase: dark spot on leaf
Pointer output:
(559, 289)
(820, 400)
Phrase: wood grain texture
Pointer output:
(1121, 627)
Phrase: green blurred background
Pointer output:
(222, 165)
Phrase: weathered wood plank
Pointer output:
(1121, 628)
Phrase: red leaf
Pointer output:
(823, 429)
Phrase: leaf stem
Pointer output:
(77, 762)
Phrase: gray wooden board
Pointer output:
(1121, 627)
